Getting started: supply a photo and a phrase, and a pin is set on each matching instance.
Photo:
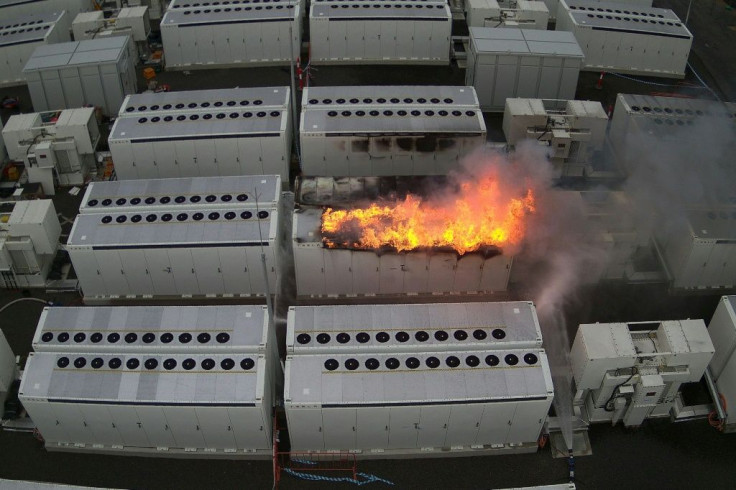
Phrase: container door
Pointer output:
(184, 426)
(206, 157)
(183, 270)
(164, 153)
(73, 85)
(227, 156)
(391, 274)
(416, 273)
(136, 272)
(506, 80)
(338, 426)
(422, 39)
(112, 271)
(366, 275)
(255, 269)
(482, 78)
(305, 429)
(462, 427)
(569, 79)
(549, 78)
(249, 428)
(70, 417)
(48, 423)
(236, 43)
(253, 43)
(403, 423)
(143, 158)
(388, 39)
(188, 42)
(495, 423)
(129, 425)
(355, 40)
(170, 38)
(88, 272)
(440, 42)
(338, 273)
(52, 88)
(310, 270)
(432, 428)
(157, 429)
(216, 427)
(235, 271)
(495, 274)
(528, 420)
(250, 154)
(99, 420)
(441, 272)
(208, 270)
(372, 40)
(529, 72)
(405, 39)
(372, 428)
(162, 277)
(186, 159)
(338, 39)
(122, 156)
(468, 272)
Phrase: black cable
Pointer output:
(613, 393)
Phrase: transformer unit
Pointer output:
(411, 131)
(195, 404)
(699, 251)
(161, 329)
(183, 252)
(21, 35)
(331, 271)
(379, 32)
(619, 38)
(412, 328)
(385, 405)
(96, 72)
(509, 62)
(242, 131)
(630, 372)
(16, 8)
(657, 124)
(29, 239)
(253, 191)
(56, 146)
(507, 13)
(212, 35)
(132, 21)
(574, 131)
(722, 330)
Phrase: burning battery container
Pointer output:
(420, 327)
(395, 130)
(211, 34)
(184, 249)
(97, 72)
(334, 271)
(388, 404)
(398, 32)
(506, 62)
(627, 39)
(20, 35)
(242, 131)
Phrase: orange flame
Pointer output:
(478, 215)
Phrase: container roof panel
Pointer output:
(77, 53)
(196, 16)
(629, 18)
(205, 100)
(30, 20)
(411, 120)
(347, 97)
(713, 225)
(524, 41)
(376, 10)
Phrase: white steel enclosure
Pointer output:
(627, 39)
(244, 131)
(98, 72)
(385, 405)
(412, 327)
(254, 191)
(362, 131)
(380, 32)
(506, 62)
(21, 35)
(324, 271)
(722, 330)
(199, 405)
(184, 251)
(211, 35)
(507, 13)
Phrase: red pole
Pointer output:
(599, 85)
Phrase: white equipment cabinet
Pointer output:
(245, 131)
(507, 13)
(161, 329)
(620, 38)
(184, 251)
(198, 405)
(211, 35)
(387, 405)
(722, 330)
(212, 193)
(380, 32)
(630, 372)
(29, 239)
(20, 36)
(16, 8)
(573, 130)
(57, 147)
(362, 131)
(699, 251)
(510, 62)
(98, 72)
(131, 21)
(322, 271)
(422, 327)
